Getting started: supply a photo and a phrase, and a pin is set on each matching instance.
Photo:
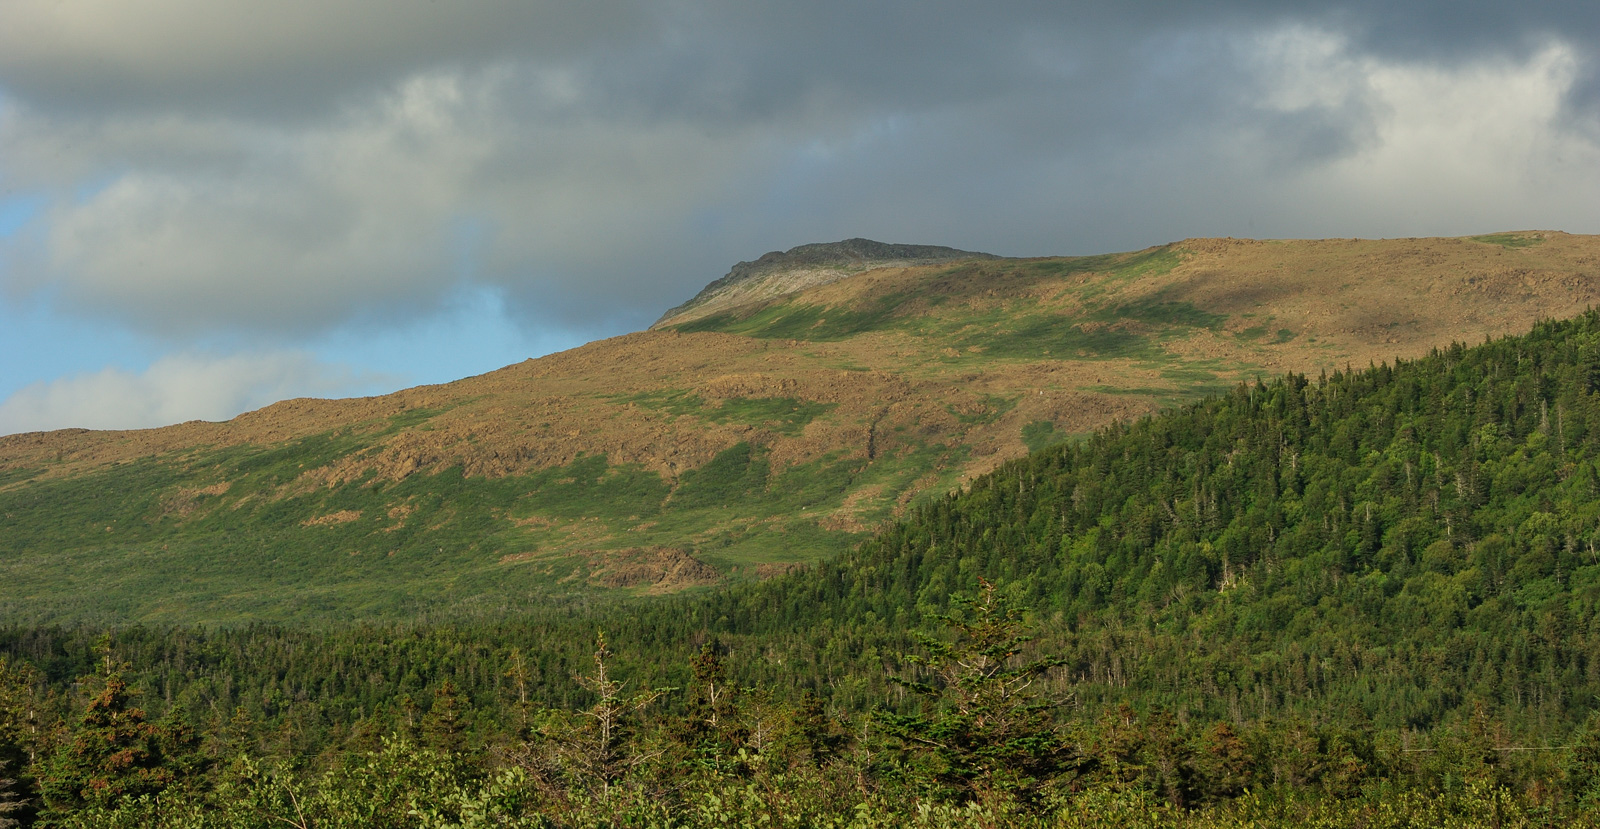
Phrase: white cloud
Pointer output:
(289, 229)
(1472, 147)
(174, 389)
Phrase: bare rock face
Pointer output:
(785, 272)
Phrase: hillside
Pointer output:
(1369, 598)
(1387, 547)
(728, 445)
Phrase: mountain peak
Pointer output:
(784, 272)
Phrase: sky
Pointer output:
(210, 205)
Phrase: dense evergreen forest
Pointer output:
(1369, 598)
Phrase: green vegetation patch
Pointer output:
(785, 320)
(1039, 434)
(11, 476)
(413, 417)
(1153, 262)
(1201, 378)
(1161, 313)
(1133, 391)
(1128, 330)
(1510, 240)
(157, 541)
(732, 477)
(802, 322)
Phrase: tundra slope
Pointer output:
(728, 444)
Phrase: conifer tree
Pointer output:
(816, 733)
(599, 746)
(987, 724)
(21, 714)
(115, 753)
(11, 800)
(442, 727)
(712, 730)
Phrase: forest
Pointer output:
(1367, 598)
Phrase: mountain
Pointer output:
(785, 272)
(728, 444)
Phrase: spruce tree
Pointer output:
(442, 727)
(115, 754)
(987, 724)
(11, 800)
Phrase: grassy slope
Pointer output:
(781, 433)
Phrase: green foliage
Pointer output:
(444, 726)
(987, 726)
(736, 473)
(1366, 599)
(1583, 764)
(1164, 313)
(11, 800)
(802, 322)
(116, 755)
(1038, 434)
(23, 714)
(1396, 542)
(1510, 240)
(761, 761)
(596, 750)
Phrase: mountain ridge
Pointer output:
(802, 267)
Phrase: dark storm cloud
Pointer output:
(285, 58)
(707, 58)
(293, 166)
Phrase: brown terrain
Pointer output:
(1348, 302)
(927, 375)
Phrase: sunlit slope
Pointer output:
(728, 447)
(1399, 547)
